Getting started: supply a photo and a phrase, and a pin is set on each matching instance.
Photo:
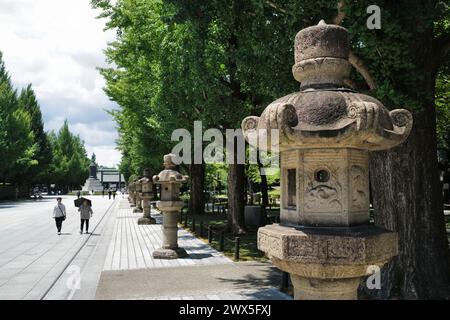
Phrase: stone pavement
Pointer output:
(115, 262)
(242, 281)
(130, 272)
(32, 255)
(132, 245)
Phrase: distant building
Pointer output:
(110, 177)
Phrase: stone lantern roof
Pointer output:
(146, 177)
(169, 174)
(325, 113)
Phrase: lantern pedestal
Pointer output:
(327, 263)
(146, 218)
(170, 249)
(170, 181)
(138, 207)
(325, 289)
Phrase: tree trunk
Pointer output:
(263, 185)
(407, 198)
(197, 178)
(236, 198)
(251, 197)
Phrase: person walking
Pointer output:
(114, 194)
(85, 214)
(78, 194)
(59, 214)
(109, 194)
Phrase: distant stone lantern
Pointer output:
(131, 197)
(146, 196)
(170, 204)
(137, 196)
(326, 131)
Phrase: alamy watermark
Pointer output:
(374, 279)
(231, 150)
(374, 20)
(74, 280)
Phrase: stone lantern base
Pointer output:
(146, 220)
(169, 253)
(327, 263)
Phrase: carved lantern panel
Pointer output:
(325, 187)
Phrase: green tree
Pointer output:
(70, 165)
(217, 61)
(39, 172)
(16, 136)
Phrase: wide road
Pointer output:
(32, 255)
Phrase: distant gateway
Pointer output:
(103, 178)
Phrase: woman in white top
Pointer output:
(59, 214)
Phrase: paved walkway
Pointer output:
(115, 262)
(132, 245)
(32, 255)
(130, 272)
(255, 294)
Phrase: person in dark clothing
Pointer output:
(103, 193)
(78, 194)
(85, 214)
(114, 194)
(109, 194)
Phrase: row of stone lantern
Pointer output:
(140, 193)
(325, 132)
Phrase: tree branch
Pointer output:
(356, 62)
(341, 14)
(362, 69)
(273, 5)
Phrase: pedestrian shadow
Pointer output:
(95, 234)
(7, 206)
(65, 234)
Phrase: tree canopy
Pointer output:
(30, 155)
(177, 61)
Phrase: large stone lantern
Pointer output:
(137, 196)
(146, 195)
(326, 131)
(170, 204)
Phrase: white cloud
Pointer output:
(105, 156)
(56, 45)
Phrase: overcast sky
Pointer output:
(56, 46)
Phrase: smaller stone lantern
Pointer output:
(137, 196)
(170, 204)
(131, 194)
(146, 195)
